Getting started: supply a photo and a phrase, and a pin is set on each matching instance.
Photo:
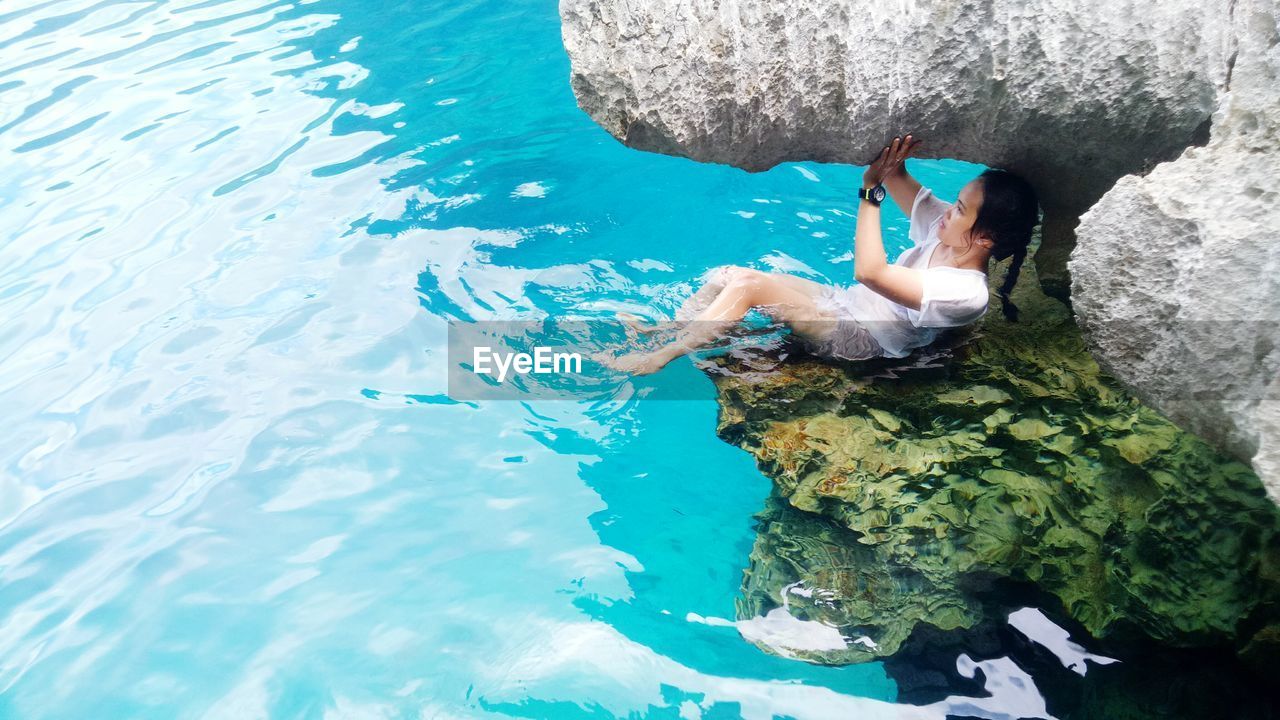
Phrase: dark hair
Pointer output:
(1006, 217)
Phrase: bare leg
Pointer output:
(714, 283)
(793, 303)
(637, 324)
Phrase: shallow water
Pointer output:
(231, 237)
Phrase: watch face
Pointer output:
(877, 193)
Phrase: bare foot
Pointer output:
(636, 363)
(637, 323)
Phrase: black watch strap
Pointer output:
(873, 195)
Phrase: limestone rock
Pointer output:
(1071, 96)
(1176, 277)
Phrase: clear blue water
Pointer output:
(233, 486)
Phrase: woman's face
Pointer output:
(957, 221)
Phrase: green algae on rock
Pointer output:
(821, 573)
(1010, 455)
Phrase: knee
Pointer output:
(743, 283)
(747, 283)
(737, 275)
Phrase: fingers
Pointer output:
(912, 143)
(892, 156)
(901, 149)
(880, 160)
(896, 152)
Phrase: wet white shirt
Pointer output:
(952, 296)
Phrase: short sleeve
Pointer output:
(952, 298)
(926, 210)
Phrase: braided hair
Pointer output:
(1008, 213)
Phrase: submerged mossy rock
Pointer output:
(819, 572)
(1010, 456)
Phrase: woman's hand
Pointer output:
(890, 161)
(902, 285)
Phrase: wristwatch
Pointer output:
(875, 195)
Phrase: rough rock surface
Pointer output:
(913, 486)
(1072, 96)
(1176, 277)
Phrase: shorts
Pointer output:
(841, 337)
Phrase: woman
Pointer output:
(940, 282)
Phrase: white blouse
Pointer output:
(952, 296)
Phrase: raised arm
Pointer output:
(871, 266)
(901, 186)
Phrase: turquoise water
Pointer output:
(231, 237)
